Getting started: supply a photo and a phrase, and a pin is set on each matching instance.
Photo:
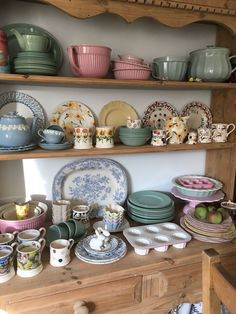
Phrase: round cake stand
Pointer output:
(193, 201)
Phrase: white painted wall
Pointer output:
(144, 37)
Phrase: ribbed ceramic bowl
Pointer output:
(134, 141)
(196, 192)
(124, 131)
(34, 222)
(132, 74)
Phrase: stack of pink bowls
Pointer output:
(89, 60)
(129, 67)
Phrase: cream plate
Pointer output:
(199, 115)
(116, 113)
(155, 115)
(72, 114)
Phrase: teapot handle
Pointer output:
(231, 57)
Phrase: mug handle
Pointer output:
(40, 133)
(71, 243)
(233, 128)
(15, 233)
(71, 56)
(154, 67)
(42, 231)
(42, 243)
(231, 57)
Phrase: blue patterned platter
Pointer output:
(112, 245)
(18, 148)
(107, 258)
(99, 181)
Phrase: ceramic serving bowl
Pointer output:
(132, 74)
(131, 58)
(196, 192)
(118, 65)
(134, 141)
(124, 130)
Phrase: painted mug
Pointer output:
(31, 235)
(83, 138)
(220, 131)
(105, 137)
(8, 238)
(60, 252)
(81, 213)
(134, 123)
(204, 135)
(6, 261)
(192, 138)
(159, 137)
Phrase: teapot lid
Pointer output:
(210, 48)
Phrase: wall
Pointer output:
(144, 37)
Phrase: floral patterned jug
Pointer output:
(177, 129)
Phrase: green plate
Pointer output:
(35, 71)
(150, 199)
(151, 215)
(149, 221)
(23, 28)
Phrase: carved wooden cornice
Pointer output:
(172, 13)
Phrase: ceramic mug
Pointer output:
(192, 138)
(159, 137)
(220, 131)
(61, 211)
(204, 135)
(105, 137)
(7, 238)
(81, 213)
(51, 136)
(83, 138)
(6, 262)
(60, 252)
(134, 123)
(31, 235)
(29, 258)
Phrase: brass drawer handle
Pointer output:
(80, 308)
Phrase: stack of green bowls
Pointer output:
(134, 137)
(149, 207)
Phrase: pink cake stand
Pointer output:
(193, 201)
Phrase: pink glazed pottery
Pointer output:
(89, 60)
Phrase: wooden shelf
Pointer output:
(117, 150)
(108, 83)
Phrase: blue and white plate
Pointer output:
(18, 148)
(111, 245)
(59, 146)
(107, 258)
(90, 181)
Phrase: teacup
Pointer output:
(83, 138)
(31, 235)
(51, 136)
(60, 252)
(6, 262)
(105, 137)
(204, 135)
(7, 238)
(134, 123)
(29, 258)
(220, 131)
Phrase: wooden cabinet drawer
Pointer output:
(102, 298)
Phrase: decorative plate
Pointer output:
(199, 115)
(116, 113)
(112, 245)
(72, 114)
(23, 28)
(107, 258)
(59, 146)
(97, 181)
(37, 110)
(155, 115)
(18, 148)
(148, 220)
(149, 199)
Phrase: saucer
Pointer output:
(59, 146)
(101, 224)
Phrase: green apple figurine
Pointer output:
(214, 217)
(201, 211)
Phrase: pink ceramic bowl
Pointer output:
(130, 58)
(88, 64)
(92, 49)
(118, 65)
(132, 74)
(35, 222)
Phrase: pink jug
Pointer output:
(4, 53)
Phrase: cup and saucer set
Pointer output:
(53, 138)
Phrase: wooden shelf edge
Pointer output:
(107, 82)
(117, 150)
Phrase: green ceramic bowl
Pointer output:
(134, 141)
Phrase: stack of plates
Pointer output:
(207, 232)
(33, 62)
(149, 207)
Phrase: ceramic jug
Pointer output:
(211, 64)
(4, 52)
(32, 41)
(176, 128)
(14, 131)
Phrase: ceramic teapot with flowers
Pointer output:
(176, 128)
(14, 131)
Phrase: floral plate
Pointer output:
(155, 115)
(199, 115)
(72, 114)
(91, 181)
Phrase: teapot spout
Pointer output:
(19, 37)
